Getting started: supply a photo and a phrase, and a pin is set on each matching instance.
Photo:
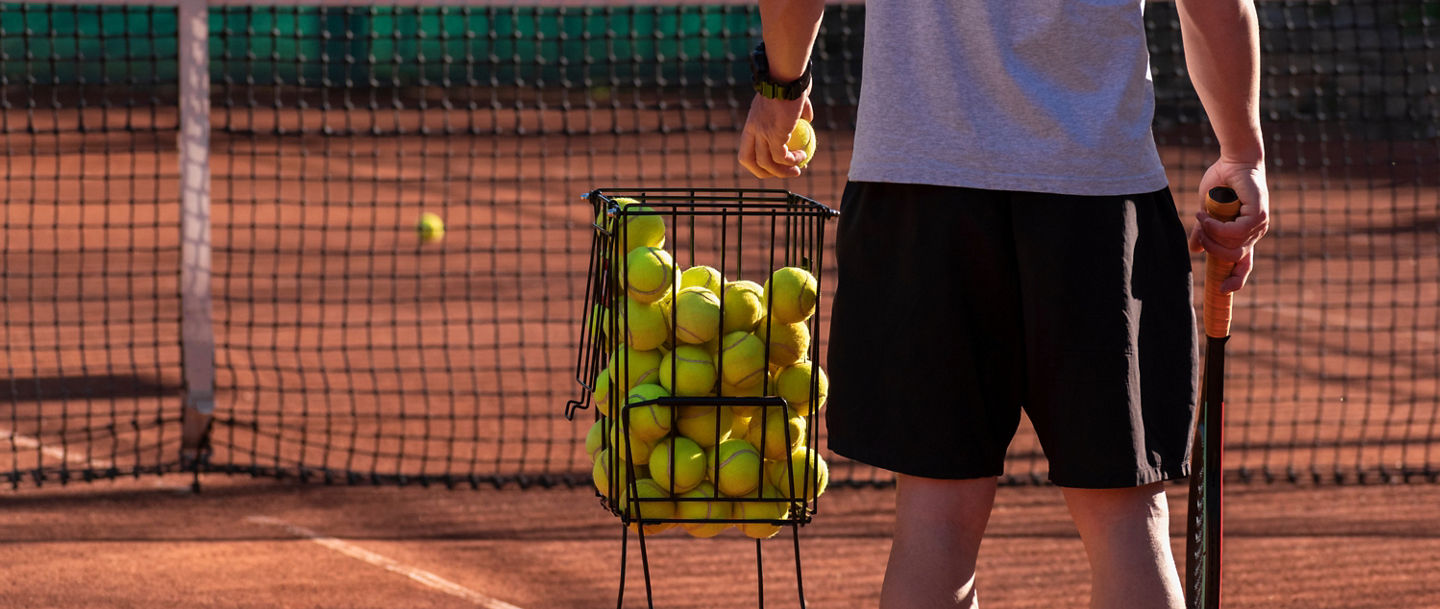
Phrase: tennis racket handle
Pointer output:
(1223, 205)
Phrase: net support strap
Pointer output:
(197, 333)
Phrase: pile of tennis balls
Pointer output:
(708, 455)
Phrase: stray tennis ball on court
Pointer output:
(699, 505)
(742, 360)
(805, 469)
(694, 371)
(678, 464)
(648, 273)
(744, 305)
(802, 137)
(783, 431)
(652, 504)
(762, 512)
(430, 227)
(704, 425)
(646, 324)
(703, 277)
(735, 466)
(789, 343)
(647, 421)
(793, 384)
(791, 292)
(697, 315)
(630, 368)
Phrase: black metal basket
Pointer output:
(745, 235)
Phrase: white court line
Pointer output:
(72, 456)
(423, 577)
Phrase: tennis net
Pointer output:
(341, 348)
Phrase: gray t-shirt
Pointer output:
(1033, 95)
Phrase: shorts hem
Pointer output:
(1163, 473)
(909, 469)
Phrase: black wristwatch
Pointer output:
(764, 85)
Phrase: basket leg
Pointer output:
(624, 559)
(799, 576)
(645, 563)
(760, 574)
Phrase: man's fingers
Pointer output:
(1195, 245)
(1239, 275)
(775, 159)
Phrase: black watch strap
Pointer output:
(767, 86)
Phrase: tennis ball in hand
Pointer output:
(793, 384)
(694, 371)
(697, 315)
(742, 360)
(703, 507)
(648, 272)
(791, 293)
(430, 227)
(789, 343)
(744, 305)
(735, 466)
(678, 464)
(802, 137)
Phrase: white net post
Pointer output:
(198, 338)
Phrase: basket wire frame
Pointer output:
(728, 225)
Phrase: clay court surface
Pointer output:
(243, 542)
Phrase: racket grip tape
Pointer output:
(1223, 205)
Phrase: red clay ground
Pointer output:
(141, 544)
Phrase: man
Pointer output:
(1008, 240)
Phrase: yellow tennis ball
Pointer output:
(640, 226)
(697, 315)
(793, 384)
(782, 431)
(762, 514)
(678, 464)
(430, 227)
(756, 391)
(602, 393)
(648, 273)
(702, 277)
(702, 504)
(694, 371)
(802, 137)
(735, 466)
(600, 473)
(788, 343)
(704, 425)
(742, 360)
(595, 438)
(803, 475)
(739, 426)
(652, 502)
(628, 446)
(791, 292)
(646, 324)
(743, 305)
(647, 419)
(630, 368)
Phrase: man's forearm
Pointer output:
(1222, 54)
(790, 27)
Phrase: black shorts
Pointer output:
(954, 308)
